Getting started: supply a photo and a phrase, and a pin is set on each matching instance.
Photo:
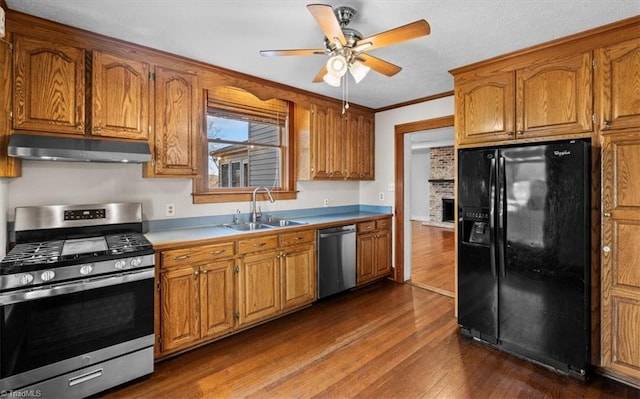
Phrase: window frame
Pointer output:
(203, 195)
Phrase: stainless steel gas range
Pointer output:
(76, 301)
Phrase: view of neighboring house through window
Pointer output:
(246, 139)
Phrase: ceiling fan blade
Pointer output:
(400, 34)
(379, 65)
(327, 21)
(320, 74)
(271, 53)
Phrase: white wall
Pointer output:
(419, 186)
(385, 158)
(48, 183)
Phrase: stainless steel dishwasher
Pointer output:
(336, 260)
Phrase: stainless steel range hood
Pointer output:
(27, 146)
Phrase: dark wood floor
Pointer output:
(432, 258)
(388, 340)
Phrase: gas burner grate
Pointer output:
(127, 242)
(34, 252)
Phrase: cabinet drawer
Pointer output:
(366, 227)
(196, 255)
(297, 237)
(383, 224)
(257, 244)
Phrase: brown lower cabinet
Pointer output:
(373, 245)
(621, 256)
(209, 291)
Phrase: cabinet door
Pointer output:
(320, 142)
(180, 321)
(485, 109)
(9, 166)
(620, 255)
(258, 287)
(120, 106)
(176, 122)
(216, 298)
(336, 143)
(49, 87)
(359, 147)
(618, 97)
(298, 276)
(555, 98)
(382, 253)
(365, 258)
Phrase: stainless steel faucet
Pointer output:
(254, 213)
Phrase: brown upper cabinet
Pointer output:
(120, 106)
(49, 86)
(333, 145)
(177, 116)
(618, 77)
(545, 99)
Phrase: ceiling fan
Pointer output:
(346, 47)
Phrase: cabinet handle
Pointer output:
(195, 273)
(519, 133)
(284, 255)
(218, 252)
(97, 128)
(606, 249)
(194, 169)
(298, 238)
(509, 133)
(204, 271)
(260, 244)
(606, 124)
(607, 214)
(181, 257)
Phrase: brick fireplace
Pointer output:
(440, 182)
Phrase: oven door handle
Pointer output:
(8, 298)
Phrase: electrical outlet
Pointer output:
(392, 187)
(381, 196)
(171, 210)
(325, 202)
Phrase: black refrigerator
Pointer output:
(524, 251)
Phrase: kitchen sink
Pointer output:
(283, 223)
(248, 226)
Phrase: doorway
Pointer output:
(403, 226)
(430, 191)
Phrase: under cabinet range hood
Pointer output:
(27, 146)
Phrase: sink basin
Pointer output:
(248, 226)
(283, 223)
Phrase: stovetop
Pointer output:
(32, 256)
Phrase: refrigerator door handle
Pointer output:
(492, 219)
(501, 215)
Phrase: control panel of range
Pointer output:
(84, 214)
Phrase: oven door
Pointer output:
(50, 331)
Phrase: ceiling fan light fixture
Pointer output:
(337, 66)
(332, 80)
(358, 70)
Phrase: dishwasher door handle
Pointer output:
(337, 233)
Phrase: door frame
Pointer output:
(400, 131)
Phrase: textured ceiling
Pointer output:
(230, 34)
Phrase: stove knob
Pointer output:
(120, 264)
(47, 275)
(86, 269)
(26, 278)
(135, 262)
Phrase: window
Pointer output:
(247, 146)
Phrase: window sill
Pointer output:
(239, 196)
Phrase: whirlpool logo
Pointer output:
(561, 153)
